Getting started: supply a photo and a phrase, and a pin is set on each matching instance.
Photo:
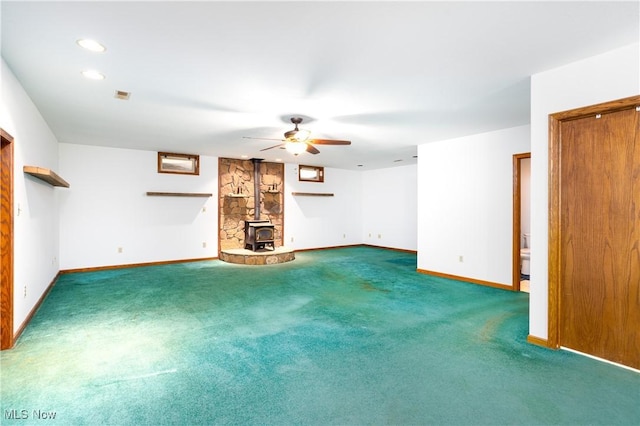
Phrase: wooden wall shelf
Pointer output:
(179, 194)
(313, 194)
(46, 175)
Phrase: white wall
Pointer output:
(465, 204)
(610, 76)
(107, 208)
(314, 222)
(36, 233)
(389, 207)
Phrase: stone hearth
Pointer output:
(248, 257)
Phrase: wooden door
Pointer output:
(599, 266)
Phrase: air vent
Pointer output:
(120, 94)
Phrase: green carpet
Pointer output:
(348, 336)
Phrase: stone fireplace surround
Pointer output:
(237, 200)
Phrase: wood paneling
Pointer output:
(594, 247)
(6, 241)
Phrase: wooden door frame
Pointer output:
(555, 126)
(6, 241)
(517, 220)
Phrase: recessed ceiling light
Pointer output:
(244, 156)
(93, 75)
(91, 45)
(279, 160)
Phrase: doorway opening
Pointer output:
(6, 241)
(521, 250)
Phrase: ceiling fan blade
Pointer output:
(271, 147)
(329, 142)
(312, 149)
(264, 139)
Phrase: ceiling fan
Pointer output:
(297, 141)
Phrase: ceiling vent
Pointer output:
(120, 94)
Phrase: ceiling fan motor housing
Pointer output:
(292, 133)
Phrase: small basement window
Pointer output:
(311, 174)
(185, 164)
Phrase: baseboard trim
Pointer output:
(358, 245)
(391, 248)
(327, 248)
(538, 341)
(35, 308)
(466, 279)
(134, 265)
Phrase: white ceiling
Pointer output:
(386, 75)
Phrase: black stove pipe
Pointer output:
(256, 186)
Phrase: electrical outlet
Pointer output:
(460, 258)
(204, 209)
(344, 235)
(369, 234)
(204, 244)
(379, 236)
(119, 249)
(291, 239)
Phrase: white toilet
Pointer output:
(525, 255)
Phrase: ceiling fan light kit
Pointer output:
(296, 147)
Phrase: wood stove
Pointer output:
(259, 234)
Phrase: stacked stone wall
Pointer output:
(237, 198)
